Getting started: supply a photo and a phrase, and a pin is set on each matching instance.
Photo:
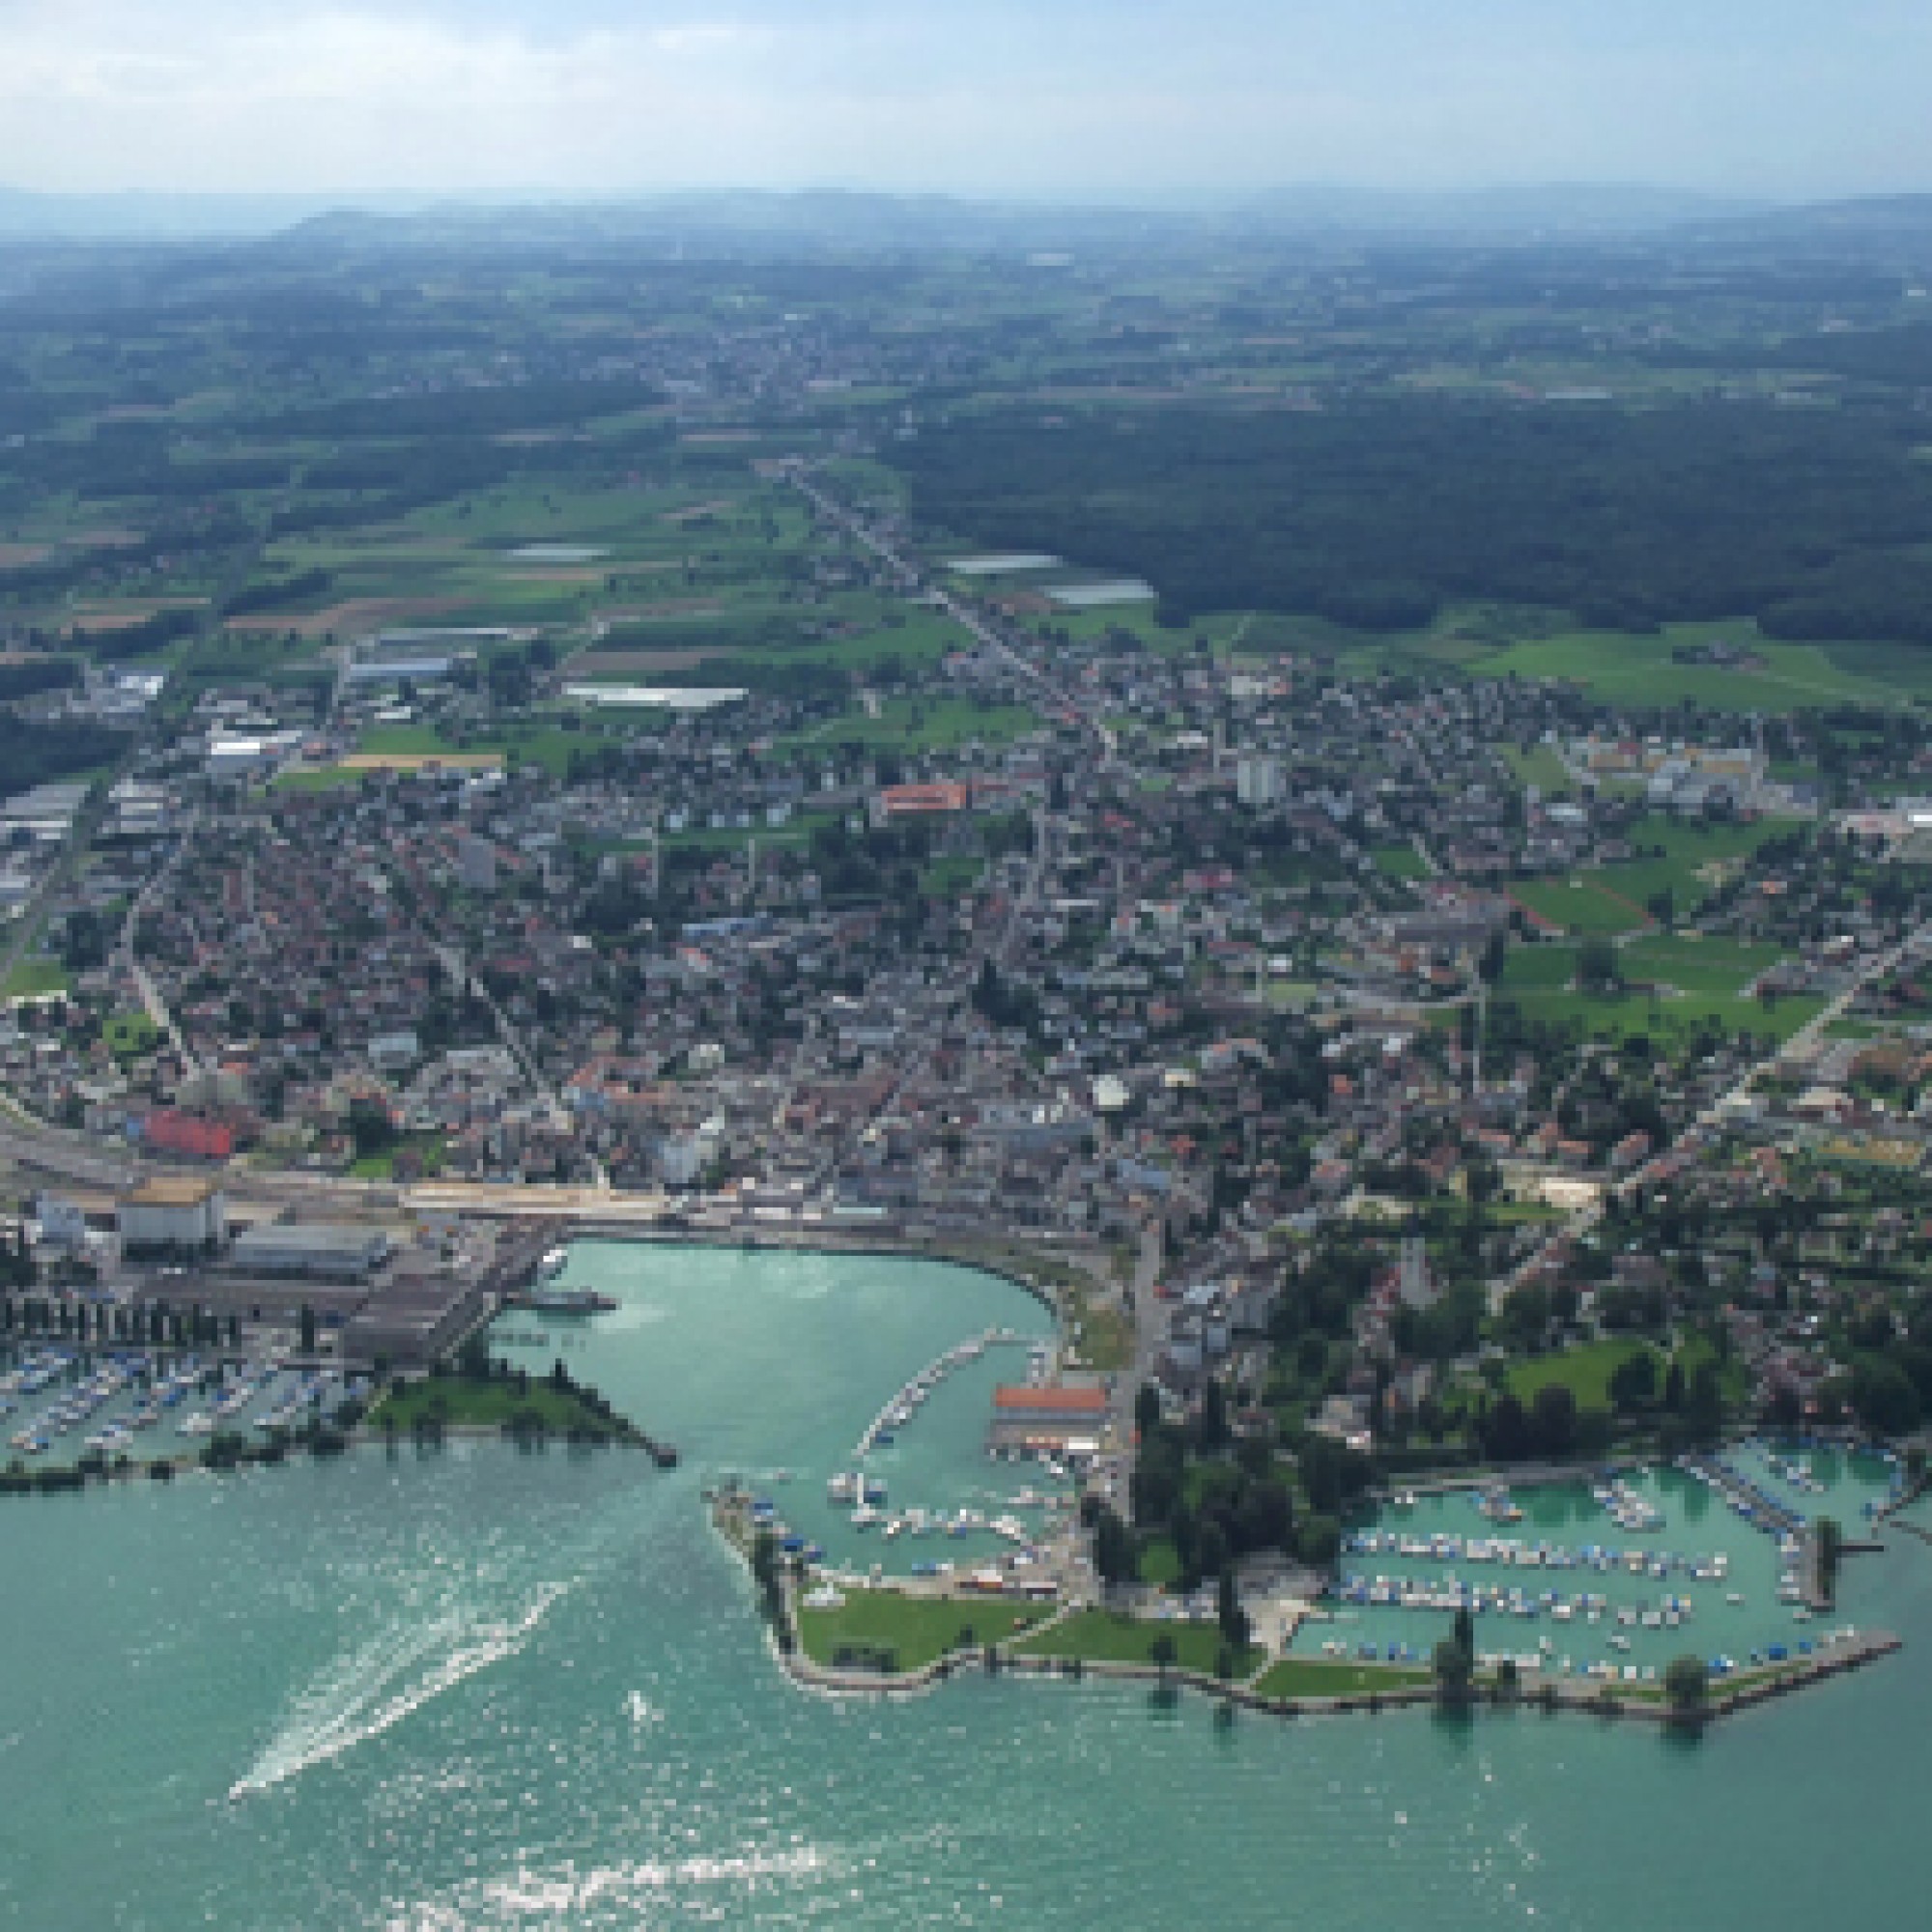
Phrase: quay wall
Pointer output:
(874, 1242)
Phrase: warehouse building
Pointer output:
(322, 1251)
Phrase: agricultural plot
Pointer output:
(1623, 666)
(913, 725)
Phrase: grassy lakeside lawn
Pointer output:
(1304, 1677)
(463, 1401)
(1585, 1371)
(1101, 1636)
(915, 1631)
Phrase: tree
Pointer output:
(1553, 1420)
(1687, 1681)
(1831, 1541)
(1116, 1554)
(1506, 1434)
(1234, 1622)
(1634, 1381)
(1884, 1395)
(1598, 968)
(1162, 1652)
(1147, 1409)
(1673, 1387)
(1455, 1661)
(1213, 1418)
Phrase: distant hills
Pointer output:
(815, 222)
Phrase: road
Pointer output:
(962, 614)
(152, 1003)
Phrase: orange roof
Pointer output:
(1054, 1398)
(940, 797)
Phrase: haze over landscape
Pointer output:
(1073, 99)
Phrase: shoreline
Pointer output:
(1605, 1701)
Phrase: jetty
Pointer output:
(1749, 1499)
(899, 1408)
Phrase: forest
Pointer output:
(1375, 515)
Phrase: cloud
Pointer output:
(1075, 96)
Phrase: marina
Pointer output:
(1602, 1580)
(61, 1406)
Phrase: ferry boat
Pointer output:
(565, 1301)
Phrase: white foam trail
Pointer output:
(370, 1689)
(568, 1892)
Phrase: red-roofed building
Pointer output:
(911, 800)
(1049, 1418)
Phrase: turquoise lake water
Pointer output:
(480, 1689)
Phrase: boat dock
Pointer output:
(1755, 1504)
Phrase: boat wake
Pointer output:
(377, 1686)
(566, 1893)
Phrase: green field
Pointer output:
(462, 1402)
(1400, 862)
(1296, 1677)
(130, 1033)
(1585, 1371)
(1616, 898)
(911, 725)
(1541, 767)
(537, 741)
(1625, 668)
(34, 975)
(915, 1630)
(1695, 981)
(1100, 1636)
(1583, 905)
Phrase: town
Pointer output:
(1390, 1064)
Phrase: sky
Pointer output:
(1073, 99)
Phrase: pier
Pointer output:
(899, 1410)
(1746, 1497)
